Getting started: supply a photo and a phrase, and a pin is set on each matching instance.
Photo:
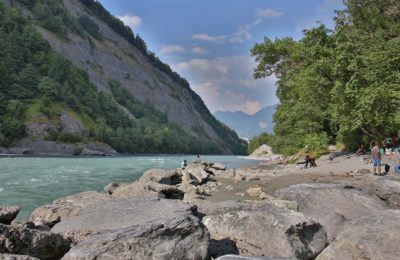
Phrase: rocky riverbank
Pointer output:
(207, 211)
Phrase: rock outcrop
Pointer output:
(161, 176)
(16, 257)
(330, 204)
(20, 240)
(386, 188)
(55, 148)
(173, 237)
(376, 236)
(8, 214)
(119, 214)
(269, 231)
(64, 208)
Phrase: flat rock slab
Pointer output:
(8, 214)
(179, 237)
(118, 214)
(44, 245)
(67, 207)
(269, 231)
(16, 257)
(330, 204)
(372, 237)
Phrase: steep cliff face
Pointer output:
(111, 57)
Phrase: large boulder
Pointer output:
(66, 207)
(330, 204)
(174, 237)
(145, 190)
(372, 237)
(269, 231)
(44, 245)
(119, 214)
(161, 176)
(8, 214)
(16, 257)
(386, 188)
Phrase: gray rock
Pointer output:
(71, 125)
(149, 190)
(111, 187)
(54, 148)
(39, 130)
(44, 245)
(330, 204)
(240, 257)
(218, 166)
(66, 207)
(4, 150)
(173, 237)
(269, 231)
(119, 214)
(16, 257)
(387, 188)
(161, 176)
(371, 237)
(8, 214)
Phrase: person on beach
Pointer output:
(198, 160)
(376, 159)
(183, 165)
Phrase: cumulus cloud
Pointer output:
(226, 83)
(131, 20)
(268, 13)
(169, 49)
(208, 38)
(198, 50)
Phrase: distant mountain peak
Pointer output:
(248, 126)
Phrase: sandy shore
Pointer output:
(343, 169)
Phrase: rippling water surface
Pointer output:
(30, 182)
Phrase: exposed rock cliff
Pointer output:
(111, 57)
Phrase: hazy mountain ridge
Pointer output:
(109, 57)
(248, 126)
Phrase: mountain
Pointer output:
(248, 126)
(76, 74)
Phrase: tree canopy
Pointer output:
(340, 85)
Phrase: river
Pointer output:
(30, 182)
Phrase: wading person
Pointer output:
(183, 165)
(376, 159)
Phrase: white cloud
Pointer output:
(268, 13)
(131, 20)
(208, 38)
(169, 49)
(227, 84)
(198, 50)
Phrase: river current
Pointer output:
(30, 182)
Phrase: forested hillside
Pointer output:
(340, 85)
(39, 86)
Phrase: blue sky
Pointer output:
(208, 42)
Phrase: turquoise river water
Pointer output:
(30, 182)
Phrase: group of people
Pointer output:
(184, 162)
(309, 159)
(376, 154)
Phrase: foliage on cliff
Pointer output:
(29, 71)
(337, 86)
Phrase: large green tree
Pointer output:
(341, 85)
